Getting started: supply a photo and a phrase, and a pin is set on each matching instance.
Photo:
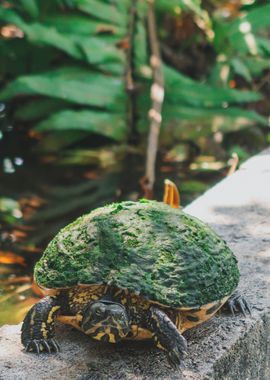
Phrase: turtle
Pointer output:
(133, 270)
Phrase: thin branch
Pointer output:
(157, 96)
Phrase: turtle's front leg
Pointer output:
(166, 336)
(38, 326)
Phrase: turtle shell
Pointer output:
(147, 247)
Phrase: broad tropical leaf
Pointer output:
(107, 124)
(70, 84)
(89, 48)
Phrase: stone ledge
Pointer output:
(225, 348)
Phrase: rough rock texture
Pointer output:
(147, 247)
(225, 348)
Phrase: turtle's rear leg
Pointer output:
(38, 326)
(237, 302)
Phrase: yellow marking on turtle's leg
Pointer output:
(32, 321)
(112, 338)
(50, 318)
(158, 344)
(44, 330)
(171, 194)
(124, 301)
(99, 336)
(118, 292)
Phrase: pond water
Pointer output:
(38, 198)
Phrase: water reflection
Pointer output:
(8, 166)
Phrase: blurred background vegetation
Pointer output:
(75, 96)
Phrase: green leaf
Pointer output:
(102, 11)
(183, 90)
(189, 113)
(8, 16)
(73, 85)
(240, 68)
(50, 36)
(264, 45)
(190, 124)
(106, 124)
(256, 65)
(103, 157)
(97, 51)
(36, 109)
(94, 50)
(30, 7)
(55, 142)
(41, 34)
(80, 24)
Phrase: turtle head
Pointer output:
(106, 321)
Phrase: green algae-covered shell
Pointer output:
(147, 247)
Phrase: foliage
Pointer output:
(68, 72)
(9, 210)
(244, 43)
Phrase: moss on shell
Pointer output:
(147, 247)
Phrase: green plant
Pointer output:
(243, 42)
(71, 72)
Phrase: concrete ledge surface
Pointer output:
(225, 348)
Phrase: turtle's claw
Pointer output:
(36, 346)
(47, 346)
(174, 359)
(28, 347)
(176, 354)
(238, 303)
(42, 345)
(55, 345)
(181, 345)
